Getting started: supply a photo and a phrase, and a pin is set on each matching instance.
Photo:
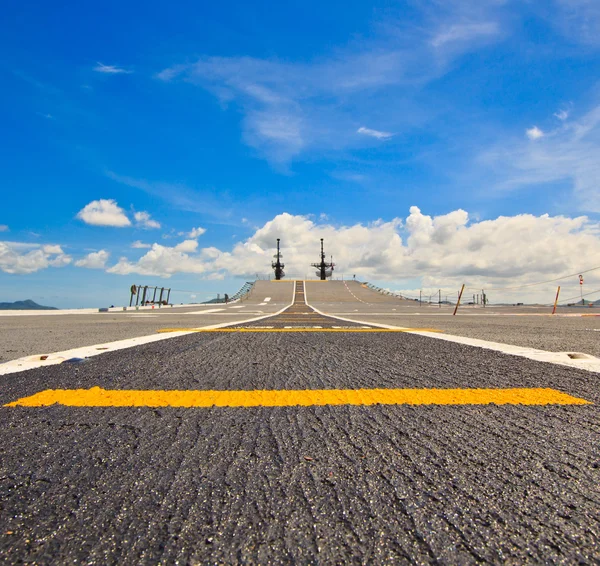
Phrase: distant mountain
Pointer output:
(27, 305)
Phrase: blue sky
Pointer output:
(203, 132)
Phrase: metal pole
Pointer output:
(144, 297)
(162, 290)
(168, 295)
(137, 298)
(420, 294)
(154, 296)
(459, 297)
(556, 300)
(440, 298)
(483, 297)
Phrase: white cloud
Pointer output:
(534, 133)
(187, 246)
(442, 251)
(144, 220)
(94, 260)
(110, 69)
(3, 228)
(139, 245)
(196, 232)
(163, 261)
(374, 133)
(104, 212)
(19, 258)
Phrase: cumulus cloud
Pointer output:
(110, 69)
(196, 232)
(534, 133)
(374, 133)
(94, 260)
(144, 220)
(164, 261)
(139, 245)
(441, 251)
(19, 258)
(104, 212)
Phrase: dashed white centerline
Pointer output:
(349, 291)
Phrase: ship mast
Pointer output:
(324, 269)
(277, 265)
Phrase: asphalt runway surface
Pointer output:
(449, 484)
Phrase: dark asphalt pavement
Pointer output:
(327, 485)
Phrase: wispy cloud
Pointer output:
(374, 133)
(292, 108)
(579, 19)
(179, 195)
(569, 154)
(3, 228)
(465, 32)
(562, 114)
(139, 245)
(111, 69)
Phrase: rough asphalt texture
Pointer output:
(327, 485)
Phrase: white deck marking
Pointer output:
(589, 363)
(34, 361)
(205, 312)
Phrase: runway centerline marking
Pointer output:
(98, 397)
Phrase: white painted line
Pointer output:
(239, 307)
(142, 316)
(205, 312)
(61, 312)
(267, 299)
(31, 362)
(589, 363)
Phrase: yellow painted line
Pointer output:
(161, 330)
(97, 397)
